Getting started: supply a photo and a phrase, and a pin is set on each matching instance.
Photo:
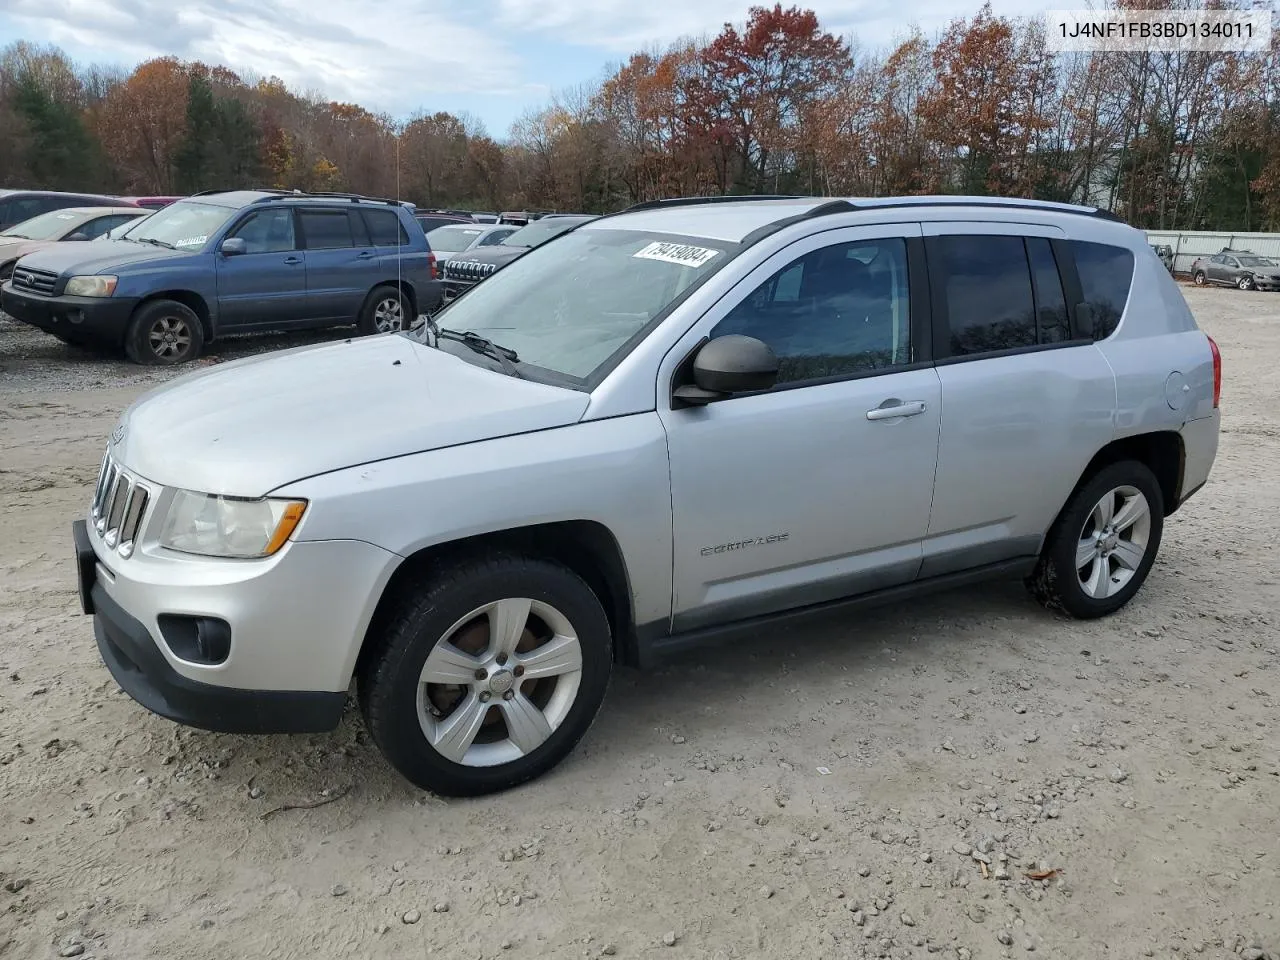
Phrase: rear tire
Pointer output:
(1100, 550)
(1200, 279)
(520, 651)
(386, 310)
(164, 333)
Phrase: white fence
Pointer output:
(1189, 244)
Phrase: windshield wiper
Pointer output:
(505, 356)
(154, 242)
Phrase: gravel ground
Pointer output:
(966, 776)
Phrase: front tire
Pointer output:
(1099, 552)
(1200, 278)
(386, 310)
(164, 333)
(487, 674)
(1245, 283)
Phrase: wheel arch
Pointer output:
(586, 547)
(188, 298)
(1162, 451)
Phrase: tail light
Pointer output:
(1217, 372)
(435, 274)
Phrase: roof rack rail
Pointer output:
(694, 201)
(272, 190)
(1046, 206)
(822, 210)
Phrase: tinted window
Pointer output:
(1106, 273)
(839, 310)
(326, 230)
(269, 231)
(987, 291)
(495, 237)
(384, 228)
(1051, 304)
(24, 208)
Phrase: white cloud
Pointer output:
(392, 55)
(624, 26)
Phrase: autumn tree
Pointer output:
(142, 123)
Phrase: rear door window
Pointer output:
(384, 228)
(985, 291)
(1106, 274)
(326, 229)
(1052, 322)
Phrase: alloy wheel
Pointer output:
(169, 338)
(500, 682)
(1113, 542)
(388, 315)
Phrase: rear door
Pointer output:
(1026, 400)
(266, 286)
(389, 241)
(340, 262)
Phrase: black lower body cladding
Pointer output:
(89, 320)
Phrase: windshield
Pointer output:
(1249, 262)
(452, 239)
(569, 307)
(47, 226)
(183, 226)
(540, 231)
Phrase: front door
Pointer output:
(266, 286)
(821, 487)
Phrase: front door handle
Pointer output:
(893, 409)
(292, 259)
(366, 255)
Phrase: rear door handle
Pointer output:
(292, 259)
(893, 409)
(366, 255)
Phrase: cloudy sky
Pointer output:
(491, 58)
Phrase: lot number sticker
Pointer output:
(678, 253)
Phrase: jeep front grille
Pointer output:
(119, 506)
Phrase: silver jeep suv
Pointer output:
(689, 419)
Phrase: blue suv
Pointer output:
(225, 262)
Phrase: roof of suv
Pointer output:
(242, 198)
(733, 219)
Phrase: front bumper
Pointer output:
(90, 319)
(296, 622)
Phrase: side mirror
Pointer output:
(728, 365)
(78, 236)
(234, 247)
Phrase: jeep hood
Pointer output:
(97, 256)
(247, 427)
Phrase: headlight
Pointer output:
(229, 527)
(91, 286)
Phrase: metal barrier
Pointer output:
(1189, 244)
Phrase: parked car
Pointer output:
(69, 223)
(454, 239)
(485, 216)
(17, 206)
(430, 221)
(227, 262)
(1165, 253)
(152, 203)
(466, 270)
(1237, 268)
(689, 420)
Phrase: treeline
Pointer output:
(776, 105)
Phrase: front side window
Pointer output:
(986, 289)
(571, 307)
(1106, 274)
(326, 229)
(268, 231)
(840, 310)
(185, 225)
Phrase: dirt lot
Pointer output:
(831, 794)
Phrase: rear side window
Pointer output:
(1106, 273)
(384, 228)
(326, 229)
(986, 289)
